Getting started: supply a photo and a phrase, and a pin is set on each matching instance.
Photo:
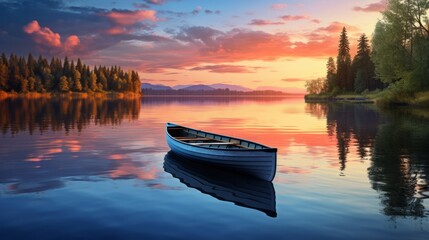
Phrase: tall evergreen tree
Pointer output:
(331, 74)
(344, 80)
(364, 68)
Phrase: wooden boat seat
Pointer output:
(192, 139)
(217, 143)
(213, 143)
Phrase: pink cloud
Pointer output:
(261, 22)
(47, 38)
(279, 6)
(117, 30)
(373, 7)
(337, 27)
(293, 17)
(44, 36)
(71, 42)
(127, 18)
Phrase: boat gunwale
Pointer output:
(265, 149)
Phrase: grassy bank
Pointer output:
(385, 99)
(368, 97)
(404, 98)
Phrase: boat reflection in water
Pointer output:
(242, 190)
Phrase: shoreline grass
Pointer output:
(383, 99)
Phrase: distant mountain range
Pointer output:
(200, 87)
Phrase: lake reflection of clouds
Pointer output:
(65, 149)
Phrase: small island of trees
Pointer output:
(21, 75)
(395, 69)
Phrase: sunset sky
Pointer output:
(253, 43)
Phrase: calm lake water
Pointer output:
(100, 169)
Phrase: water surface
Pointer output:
(99, 168)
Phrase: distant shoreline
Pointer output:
(4, 95)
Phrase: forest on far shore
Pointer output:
(26, 75)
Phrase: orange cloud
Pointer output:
(46, 37)
(127, 18)
(261, 22)
(373, 7)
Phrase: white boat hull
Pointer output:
(260, 163)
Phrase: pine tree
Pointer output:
(331, 74)
(66, 67)
(4, 73)
(76, 79)
(31, 65)
(344, 80)
(64, 84)
(79, 65)
(363, 66)
(93, 82)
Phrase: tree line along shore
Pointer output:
(394, 70)
(35, 77)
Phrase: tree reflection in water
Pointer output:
(57, 114)
(396, 144)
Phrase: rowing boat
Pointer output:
(240, 155)
(244, 191)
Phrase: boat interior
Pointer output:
(200, 138)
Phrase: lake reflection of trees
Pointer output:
(396, 144)
(58, 114)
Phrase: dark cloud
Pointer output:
(196, 11)
(204, 35)
(212, 12)
(141, 5)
